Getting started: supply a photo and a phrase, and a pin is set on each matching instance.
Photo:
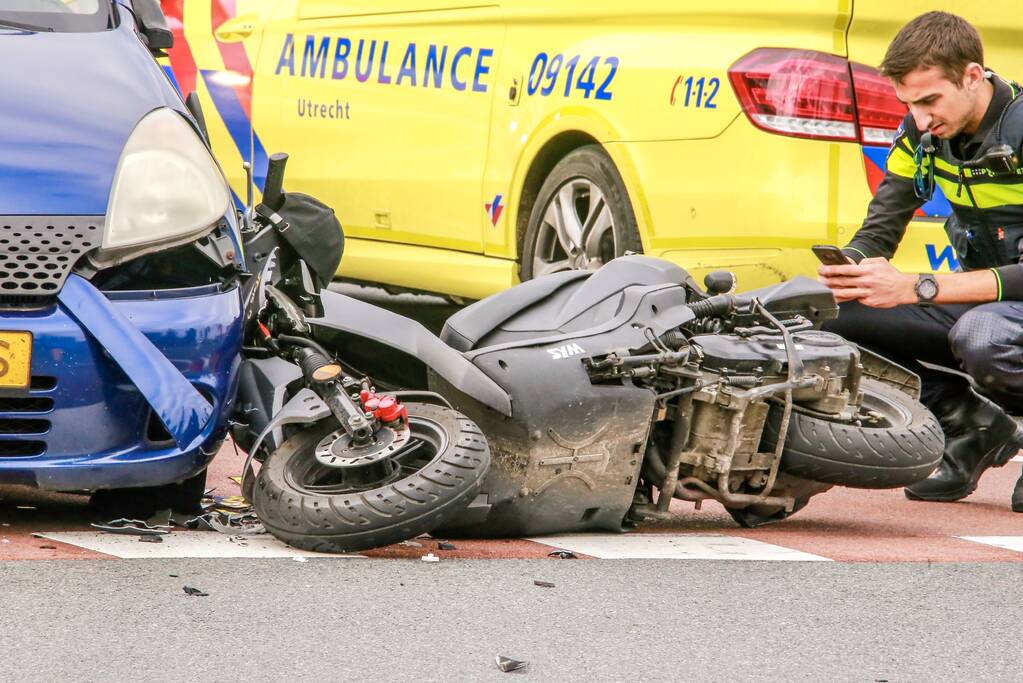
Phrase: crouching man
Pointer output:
(963, 133)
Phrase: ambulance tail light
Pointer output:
(800, 93)
(809, 94)
(878, 109)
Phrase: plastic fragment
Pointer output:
(430, 557)
(410, 544)
(563, 554)
(507, 664)
(160, 518)
(132, 526)
(543, 584)
(194, 591)
(444, 545)
(150, 538)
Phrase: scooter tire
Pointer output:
(900, 453)
(397, 511)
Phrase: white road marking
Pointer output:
(674, 547)
(204, 544)
(1007, 542)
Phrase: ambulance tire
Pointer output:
(439, 483)
(586, 165)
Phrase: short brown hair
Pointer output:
(934, 39)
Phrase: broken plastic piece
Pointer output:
(543, 584)
(160, 518)
(444, 545)
(132, 526)
(194, 591)
(430, 557)
(507, 664)
(563, 554)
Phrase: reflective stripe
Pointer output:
(998, 279)
(987, 195)
(900, 162)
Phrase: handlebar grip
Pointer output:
(273, 188)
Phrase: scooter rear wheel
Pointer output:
(316, 507)
(893, 442)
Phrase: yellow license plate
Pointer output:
(15, 359)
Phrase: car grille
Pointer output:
(38, 252)
(20, 418)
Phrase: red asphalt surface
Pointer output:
(846, 525)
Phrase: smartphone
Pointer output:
(830, 255)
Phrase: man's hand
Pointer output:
(874, 282)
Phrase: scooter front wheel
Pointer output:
(317, 493)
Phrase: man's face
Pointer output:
(937, 104)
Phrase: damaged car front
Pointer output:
(120, 312)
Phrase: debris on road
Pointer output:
(242, 524)
(430, 557)
(137, 527)
(410, 544)
(444, 545)
(300, 558)
(563, 554)
(150, 538)
(543, 584)
(194, 591)
(507, 664)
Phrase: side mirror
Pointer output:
(153, 25)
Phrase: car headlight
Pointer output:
(167, 188)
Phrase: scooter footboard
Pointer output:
(563, 462)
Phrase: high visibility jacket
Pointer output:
(986, 225)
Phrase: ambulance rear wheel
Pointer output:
(581, 219)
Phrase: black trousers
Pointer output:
(985, 341)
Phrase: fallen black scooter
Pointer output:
(344, 466)
(596, 389)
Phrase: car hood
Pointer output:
(70, 101)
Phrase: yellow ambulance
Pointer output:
(466, 145)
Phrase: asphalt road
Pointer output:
(882, 612)
(603, 621)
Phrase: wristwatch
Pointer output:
(926, 288)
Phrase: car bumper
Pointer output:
(84, 425)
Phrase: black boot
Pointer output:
(1017, 496)
(978, 435)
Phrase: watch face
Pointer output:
(927, 289)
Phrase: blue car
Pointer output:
(121, 319)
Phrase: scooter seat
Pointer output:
(465, 329)
(559, 302)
